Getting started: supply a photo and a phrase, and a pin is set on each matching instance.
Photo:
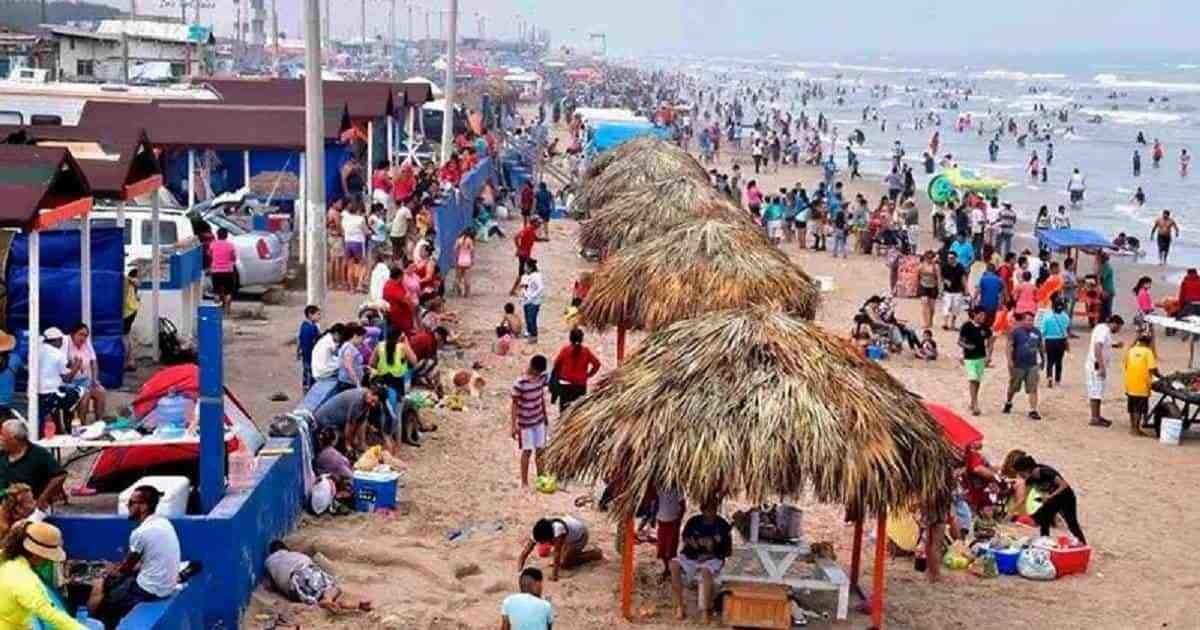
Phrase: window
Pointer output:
(8, 117)
(128, 231)
(72, 42)
(85, 67)
(45, 119)
(168, 235)
(177, 69)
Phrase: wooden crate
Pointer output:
(750, 605)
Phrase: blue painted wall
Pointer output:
(231, 541)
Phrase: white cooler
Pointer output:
(174, 495)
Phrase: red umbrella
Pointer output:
(960, 432)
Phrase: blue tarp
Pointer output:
(60, 294)
(1072, 239)
(227, 176)
(607, 134)
(457, 211)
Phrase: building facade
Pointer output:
(99, 55)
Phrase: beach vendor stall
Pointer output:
(1178, 401)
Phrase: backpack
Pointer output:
(170, 349)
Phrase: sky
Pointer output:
(945, 27)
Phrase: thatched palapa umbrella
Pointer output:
(756, 404)
(649, 163)
(627, 149)
(693, 269)
(649, 209)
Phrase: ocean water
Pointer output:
(1158, 95)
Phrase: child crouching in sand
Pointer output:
(566, 540)
(928, 348)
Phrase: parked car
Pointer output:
(262, 256)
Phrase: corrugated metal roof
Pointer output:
(159, 31)
(209, 125)
(36, 178)
(82, 33)
(363, 100)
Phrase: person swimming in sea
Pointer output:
(1139, 197)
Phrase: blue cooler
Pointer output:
(374, 491)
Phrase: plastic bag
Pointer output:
(322, 495)
(546, 484)
(984, 566)
(957, 556)
(1034, 564)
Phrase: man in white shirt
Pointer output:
(379, 275)
(1096, 368)
(150, 571)
(324, 356)
(399, 229)
(53, 371)
(533, 289)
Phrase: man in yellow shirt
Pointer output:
(129, 310)
(1140, 365)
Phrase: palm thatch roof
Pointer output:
(631, 148)
(644, 163)
(693, 269)
(760, 405)
(651, 208)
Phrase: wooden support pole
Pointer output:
(856, 555)
(877, 570)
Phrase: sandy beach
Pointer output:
(464, 478)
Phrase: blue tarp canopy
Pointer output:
(1056, 240)
(607, 134)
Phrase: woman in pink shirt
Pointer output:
(1025, 294)
(1141, 296)
(223, 255)
(87, 377)
(754, 198)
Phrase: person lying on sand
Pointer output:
(296, 575)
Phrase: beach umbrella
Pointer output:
(651, 208)
(758, 404)
(644, 163)
(728, 265)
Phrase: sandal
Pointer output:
(1100, 423)
(1033, 415)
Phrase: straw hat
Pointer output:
(7, 342)
(52, 334)
(44, 541)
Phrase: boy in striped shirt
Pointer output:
(529, 423)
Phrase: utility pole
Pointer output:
(45, 20)
(410, 23)
(125, 43)
(451, 71)
(391, 45)
(363, 25)
(314, 151)
(428, 39)
(328, 26)
(196, 10)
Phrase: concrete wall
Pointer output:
(107, 56)
(231, 542)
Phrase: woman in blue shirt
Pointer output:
(1055, 327)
